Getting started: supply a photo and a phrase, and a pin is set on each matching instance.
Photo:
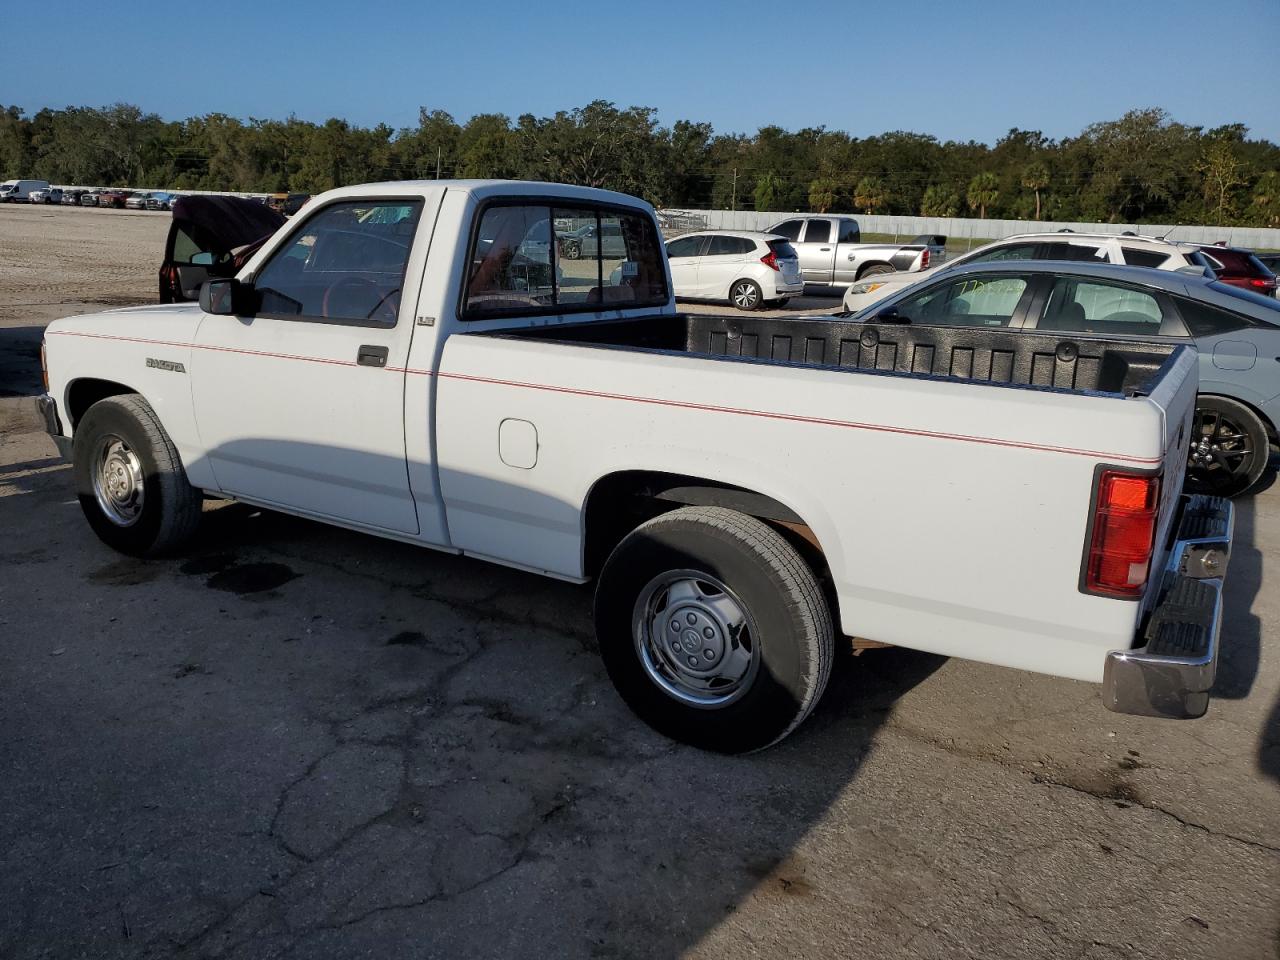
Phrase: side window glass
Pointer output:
(790, 229)
(1075, 252)
(346, 264)
(1143, 258)
(187, 249)
(849, 232)
(819, 232)
(1086, 307)
(1014, 251)
(1203, 320)
(974, 302)
(726, 246)
(684, 247)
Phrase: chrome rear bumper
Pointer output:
(1171, 673)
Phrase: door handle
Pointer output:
(824, 249)
(371, 356)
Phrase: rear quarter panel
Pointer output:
(952, 515)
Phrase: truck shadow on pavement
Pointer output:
(20, 361)
(1241, 651)
(301, 739)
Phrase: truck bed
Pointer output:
(1080, 364)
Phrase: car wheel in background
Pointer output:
(572, 250)
(746, 295)
(1229, 448)
(130, 481)
(714, 629)
(875, 270)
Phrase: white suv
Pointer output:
(1079, 247)
(746, 268)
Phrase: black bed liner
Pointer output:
(988, 355)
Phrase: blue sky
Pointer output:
(959, 70)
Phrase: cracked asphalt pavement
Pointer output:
(295, 741)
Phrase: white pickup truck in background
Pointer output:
(416, 360)
(832, 253)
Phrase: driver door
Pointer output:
(300, 403)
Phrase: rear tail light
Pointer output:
(1260, 283)
(770, 260)
(44, 369)
(924, 259)
(1123, 534)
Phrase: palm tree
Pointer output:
(1036, 177)
(939, 201)
(767, 189)
(869, 194)
(1266, 199)
(822, 194)
(984, 191)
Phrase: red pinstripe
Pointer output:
(656, 401)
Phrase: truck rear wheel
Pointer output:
(875, 270)
(130, 481)
(713, 629)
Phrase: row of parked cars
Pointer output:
(40, 191)
(1223, 299)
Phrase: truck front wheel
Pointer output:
(713, 629)
(130, 481)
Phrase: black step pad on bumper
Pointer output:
(1171, 673)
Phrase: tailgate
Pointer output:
(1174, 394)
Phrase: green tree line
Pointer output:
(1144, 166)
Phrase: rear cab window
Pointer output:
(532, 258)
(782, 249)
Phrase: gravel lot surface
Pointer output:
(298, 741)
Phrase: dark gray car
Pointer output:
(1237, 334)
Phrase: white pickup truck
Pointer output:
(415, 360)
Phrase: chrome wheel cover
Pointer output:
(744, 296)
(118, 484)
(695, 639)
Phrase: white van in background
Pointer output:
(14, 190)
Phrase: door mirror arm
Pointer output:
(227, 297)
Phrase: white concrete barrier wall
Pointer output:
(964, 227)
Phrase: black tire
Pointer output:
(788, 624)
(746, 295)
(781, 302)
(875, 270)
(169, 510)
(572, 250)
(1229, 448)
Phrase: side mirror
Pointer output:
(891, 315)
(225, 297)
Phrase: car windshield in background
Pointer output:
(1271, 303)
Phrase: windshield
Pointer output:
(1271, 303)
